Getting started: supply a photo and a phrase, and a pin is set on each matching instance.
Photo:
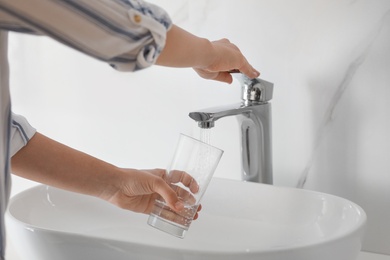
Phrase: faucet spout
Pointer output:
(207, 117)
(254, 118)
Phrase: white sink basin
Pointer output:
(238, 221)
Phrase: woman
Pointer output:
(127, 34)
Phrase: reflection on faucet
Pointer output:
(254, 117)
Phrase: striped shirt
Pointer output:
(127, 34)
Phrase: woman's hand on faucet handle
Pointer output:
(210, 59)
(225, 58)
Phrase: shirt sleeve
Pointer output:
(21, 133)
(127, 34)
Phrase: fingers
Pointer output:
(168, 194)
(249, 71)
(174, 195)
(184, 195)
(183, 217)
(224, 77)
(219, 76)
(227, 58)
(199, 209)
(176, 176)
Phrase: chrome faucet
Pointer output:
(254, 118)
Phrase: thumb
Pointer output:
(222, 76)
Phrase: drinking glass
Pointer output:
(189, 174)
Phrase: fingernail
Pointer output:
(256, 73)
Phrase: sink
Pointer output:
(239, 220)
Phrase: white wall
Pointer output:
(329, 61)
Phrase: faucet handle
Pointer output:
(255, 90)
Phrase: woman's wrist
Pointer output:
(183, 49)
(205, 54)
(110, 183)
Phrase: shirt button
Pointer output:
(137, 18)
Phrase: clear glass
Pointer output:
(189, 174)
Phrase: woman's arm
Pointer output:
(49, 162)
(129, 35)
(211, 60)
